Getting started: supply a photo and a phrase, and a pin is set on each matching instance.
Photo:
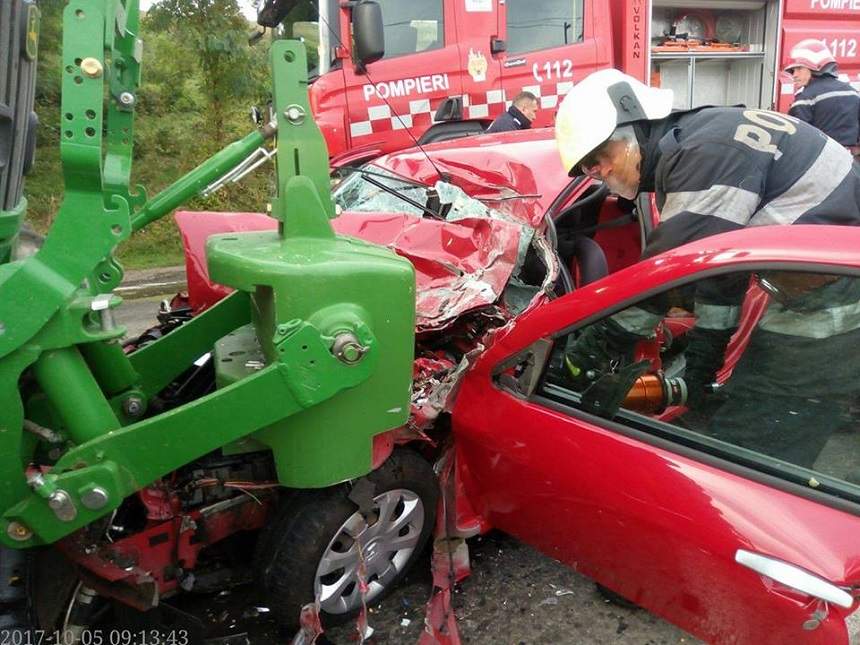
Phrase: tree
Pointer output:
(219, 35)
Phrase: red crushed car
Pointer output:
(743, 533)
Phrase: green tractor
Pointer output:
(124, 472)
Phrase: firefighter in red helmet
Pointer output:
(824, 101)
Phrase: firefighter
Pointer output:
(519, 116)
(824, 101)
(714, 170)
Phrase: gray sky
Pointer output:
(244, 5)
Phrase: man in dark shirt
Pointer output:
(519, 116)
(824, 101)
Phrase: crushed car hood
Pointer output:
(460, 266)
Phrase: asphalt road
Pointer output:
(137, 315)
(514, 596)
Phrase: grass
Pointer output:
(159, 244)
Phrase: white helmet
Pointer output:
(597, 105)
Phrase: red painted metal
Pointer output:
(459, 265)
(660, 528)
(160, 501)
(657, 527)
(393, 104)
(494, 168)
(449, 564)
(383, 445)
(195, 228)
(836, 22)
(634, 37)
(517, 173)
(354, 157)
(153, 554)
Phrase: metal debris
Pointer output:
(310, 625)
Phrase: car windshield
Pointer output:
(373, 189)
(376, 190)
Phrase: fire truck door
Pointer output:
(548, 47)
(480, 68)
(840, 31)
(399, 94)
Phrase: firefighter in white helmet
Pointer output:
(823, 100)
(713, 170)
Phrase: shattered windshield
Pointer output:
(377, 190)
(372, 189)
(363, 192)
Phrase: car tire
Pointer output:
(314, 544)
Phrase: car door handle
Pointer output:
(794, 577)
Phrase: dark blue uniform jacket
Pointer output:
(513, 119)
(831, 106)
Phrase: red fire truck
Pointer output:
(451, 66)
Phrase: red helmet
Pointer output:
(810, 53)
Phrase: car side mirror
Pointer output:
(368, 34)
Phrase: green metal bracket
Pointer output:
(202, 176)
(301, 149)
(124, 78)
(351, 303)
(90, 221)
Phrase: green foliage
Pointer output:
(217, 36)
(199, 79)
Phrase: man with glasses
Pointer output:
(713, 170)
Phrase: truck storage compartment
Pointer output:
(719, 52)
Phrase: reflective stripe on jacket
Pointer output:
(831, 106)
(723, 169)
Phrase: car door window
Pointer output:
(541, 25)
(760, 368)
(412, 27)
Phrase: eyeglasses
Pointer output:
(590, 167)
(593, 173)
(795, 287)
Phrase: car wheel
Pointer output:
(37, 591)
(319, 538)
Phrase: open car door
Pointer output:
(737, 521)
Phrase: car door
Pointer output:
(737, 521)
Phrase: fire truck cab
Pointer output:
(451, 66)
